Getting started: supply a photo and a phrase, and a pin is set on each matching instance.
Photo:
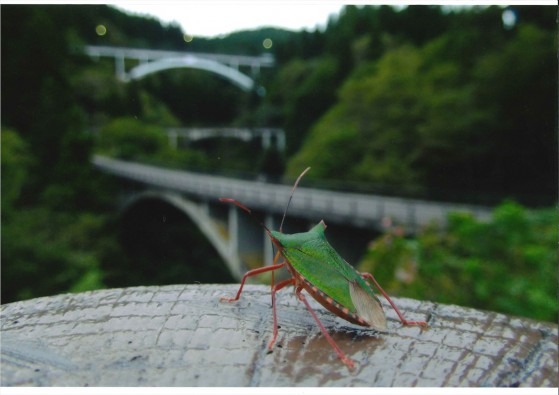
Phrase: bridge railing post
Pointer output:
(280, 140)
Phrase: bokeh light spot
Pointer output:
(101, 30)
(267, 43)
(509, 18)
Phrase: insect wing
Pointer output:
(324, 277)
(369, 308)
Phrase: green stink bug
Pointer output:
(317, 268)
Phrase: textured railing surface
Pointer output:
(184, 336)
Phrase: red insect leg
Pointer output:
(369, 276)
(276, 288)
(272, 283)
(249, 274)
(342, 356)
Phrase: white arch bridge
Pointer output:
(353, 219)
(152, 61)
(271, 137)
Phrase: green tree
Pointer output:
(507, 264)
(371, 134)
(16, 162)
(303, 91)
(428, 118)
(46, 252)
(128, 138)
(518, 83)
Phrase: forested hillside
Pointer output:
(464, 105)
(440, 101)
(443, 103)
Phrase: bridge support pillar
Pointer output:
(266, 139)
(273, 137)
(173, 139)
(246, 240)
(280, 141)
(119, 68)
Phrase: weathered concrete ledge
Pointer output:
(183, 336)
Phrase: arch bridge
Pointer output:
(353, 219)
(270, 137)
(152, 61)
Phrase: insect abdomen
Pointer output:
(328, 302)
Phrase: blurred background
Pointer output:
(431, 102)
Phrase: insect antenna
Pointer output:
(245, 208)
(291, 197)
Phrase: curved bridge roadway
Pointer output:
(359, 210)
(234, 235)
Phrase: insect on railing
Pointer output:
(317, 268)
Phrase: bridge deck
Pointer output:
(354, 209)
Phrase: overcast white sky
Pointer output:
(213, 18)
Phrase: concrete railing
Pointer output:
(182, 335)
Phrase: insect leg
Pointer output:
(249, 274)
(278, 255)
(276, 288)
(369, 276)
(342, 356)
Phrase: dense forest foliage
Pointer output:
(505, 264)
(443, 103)
(465, 105)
